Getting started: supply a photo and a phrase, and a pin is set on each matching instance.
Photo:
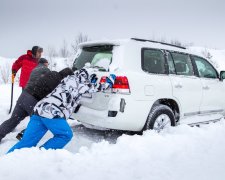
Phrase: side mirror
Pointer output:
(222, 75)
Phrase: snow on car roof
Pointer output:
(104, 42)
(139, 42)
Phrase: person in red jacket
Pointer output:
(27, 63)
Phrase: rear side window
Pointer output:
(205, 69)
(183, 64)
(153, 61)
(97, 56)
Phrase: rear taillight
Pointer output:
(121, 84)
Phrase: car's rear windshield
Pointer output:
(98, 56)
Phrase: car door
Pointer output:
(187, 87)
(156, 81)
(213, 94)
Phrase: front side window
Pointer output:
(153, 61)
(183, 64)
(97, 56)
(205, 69)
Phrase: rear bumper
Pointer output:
(133, 117)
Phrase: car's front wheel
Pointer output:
(160, 117)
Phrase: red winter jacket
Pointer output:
(27, 63)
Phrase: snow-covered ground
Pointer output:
(180, 153)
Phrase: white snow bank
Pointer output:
(180, 153)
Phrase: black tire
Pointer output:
(156, 111)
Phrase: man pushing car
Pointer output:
(42, 82)
(52, 111)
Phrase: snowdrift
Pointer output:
(179, 153)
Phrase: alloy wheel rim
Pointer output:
(162, 122)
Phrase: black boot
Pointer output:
(20, 135)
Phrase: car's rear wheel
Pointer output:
(160, 117)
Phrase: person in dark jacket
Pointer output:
(42, 81)
(42, 87)
(52, 112)
(33, 86)
(27, 63)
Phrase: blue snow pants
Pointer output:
(37, 128)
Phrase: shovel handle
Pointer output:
(13, 78)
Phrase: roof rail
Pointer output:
(144, 40)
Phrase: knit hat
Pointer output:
(36, 49)
(42, 61)
(66, 72)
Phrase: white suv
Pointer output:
(157, 85)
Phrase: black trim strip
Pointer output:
(204, 122)
(168, 44)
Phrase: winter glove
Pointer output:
(20, 135)
(88, 81)
(13, 75)
(93, 78)
(109, 82)
(14, 72)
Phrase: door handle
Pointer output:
(205, 87)
(178, 86)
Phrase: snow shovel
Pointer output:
(13, 77)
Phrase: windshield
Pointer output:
(98, 56)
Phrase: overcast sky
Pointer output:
(24, 23)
